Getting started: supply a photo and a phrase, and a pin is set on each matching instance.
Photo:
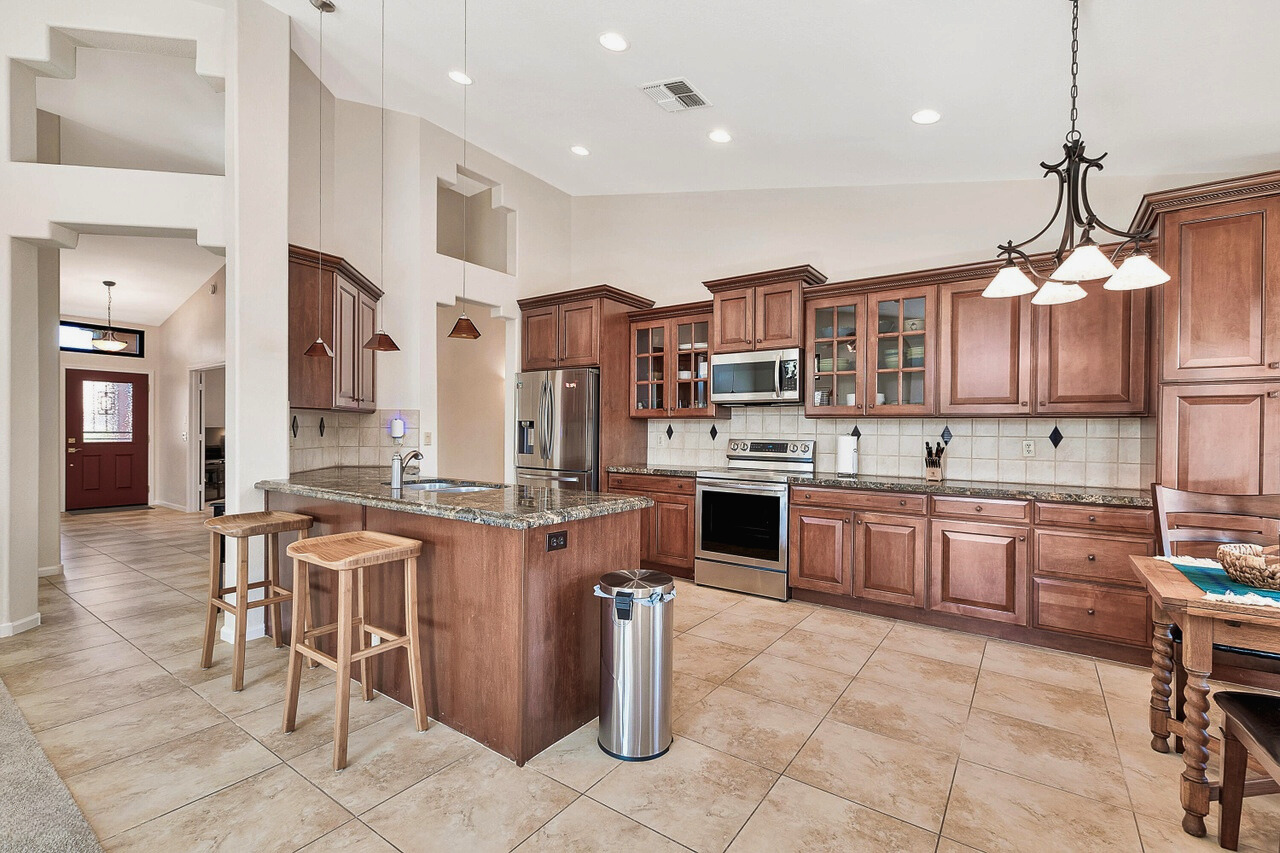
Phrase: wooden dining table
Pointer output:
(1176, 600)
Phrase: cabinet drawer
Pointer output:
(983, 509)
(1092, 610)
(854, 499)
(1089, 556)
(1113, 518)
(652, 483)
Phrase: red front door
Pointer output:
(107, 439)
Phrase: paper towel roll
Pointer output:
(846, 454)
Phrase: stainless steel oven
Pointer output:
(770, 377)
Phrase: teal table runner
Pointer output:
(1214, 580)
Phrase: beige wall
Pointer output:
(471, 397)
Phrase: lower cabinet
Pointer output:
(820, 550)
(668, 528)
(1092, 610)
(980, 570)
(646, 525)
(890, 558)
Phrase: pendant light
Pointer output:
(381, 341)
(464, 328)
(109, 342)
(320, 349)
(1076, 259)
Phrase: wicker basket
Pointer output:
(1252, 565)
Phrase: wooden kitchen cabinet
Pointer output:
(671, 362)
(1091, 355)
(540, 335)
(979, 570)
(668, 528)
(820, 550)
(901, 333)
(646, 524)
(579, 333)
(342, 308)
(984, 351)
(761, 310)
(890, 554)
(835, 356)
(1220, 437)
(568, 329)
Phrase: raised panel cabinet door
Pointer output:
(1221, 438)
(889, 558)
(540, 338)
(979, 570)
(1222, 308)
(646, 524)
(580, 333)
(778, 317)
(1091, 355)
(311, 313)
(820, 550)
(733, 320)
(673, 530)
(346, 349)
(984, 354)
(367, 327)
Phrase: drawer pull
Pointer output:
(1089, 611)
(1092, 558)
(978, 508)
(808, 496)
(902, 503)
(1231, 623)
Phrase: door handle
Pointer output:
(73, 450)
(777, 375)
(551, 416)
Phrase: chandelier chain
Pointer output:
(1074, 135)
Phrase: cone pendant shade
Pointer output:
(1137, 271)
(319, 350)
(464, 328)
(381, 342)
(1058, 293)
(1009, 281)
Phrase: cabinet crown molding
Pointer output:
(668, 312)
(805, 274)
(597, 291)
(1233, 189)
(334, 263)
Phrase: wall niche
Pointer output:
(472, 223)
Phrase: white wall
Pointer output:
(472, 394)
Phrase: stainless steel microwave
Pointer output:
(767, 377)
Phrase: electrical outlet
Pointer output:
(558, 540)
(426, 439)
(1028, 448)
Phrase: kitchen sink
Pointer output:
(443, 486)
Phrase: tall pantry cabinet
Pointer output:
(1219, 356)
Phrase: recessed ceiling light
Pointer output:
(926, 116)
(719, 135)
(460, 77)
(614, 42)
(580, 150)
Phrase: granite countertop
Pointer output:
(515, 507)
(963, 488)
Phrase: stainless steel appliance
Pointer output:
(742, 516)
(770, 377)
(558, 429)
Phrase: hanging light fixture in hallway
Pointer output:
(381, 341)
(108, 342)
(464, 328)
(320, 349)
(1076, 259)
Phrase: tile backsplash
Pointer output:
(349, 438)
(1105, 452)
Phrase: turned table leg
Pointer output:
(1197, 659)
(1161, 677)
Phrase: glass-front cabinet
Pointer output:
(671, 364)
(836, 356)
(901, 351)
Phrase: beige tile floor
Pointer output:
(798, 728)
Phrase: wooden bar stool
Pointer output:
(347, 554)
(242, 526)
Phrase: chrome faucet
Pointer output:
(399, 463)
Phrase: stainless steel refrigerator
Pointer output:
(558, 428)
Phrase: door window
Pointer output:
(108, 412)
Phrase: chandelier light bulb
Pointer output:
(1137, 271)
(1009, 281)
(1085, 263)
(1059, 293)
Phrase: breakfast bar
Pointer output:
(509, 627)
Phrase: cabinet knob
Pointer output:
(978, 508)
(1089, 611)
(1040, 402)
(1024, 402)
(1274, 365)
(1093, 518)
(808, 496)
(1273, 394)
(1092, 558)
(902, 503)
(1022, 539)
(759, 340)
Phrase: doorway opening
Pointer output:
(208, 436)
(107, 439)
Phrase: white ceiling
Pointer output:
(819, 92)
(154, 276)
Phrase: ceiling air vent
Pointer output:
(674, 95)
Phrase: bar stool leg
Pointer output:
(366, 686)
(215, 593)
(415, 650)
(272, 545)
(242, 612)
(342, 704)
(301, 604)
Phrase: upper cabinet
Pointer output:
(565, 329)
(329, 298)
(984, 362)
(761, 310)
(836, 355)
(902, 326)
(671, 362)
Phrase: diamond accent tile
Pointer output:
(1055, 437)
(946, 435)
(670, 432)
(857, 433)
(714, 432)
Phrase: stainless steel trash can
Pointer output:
(635, 663)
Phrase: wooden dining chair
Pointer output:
(1186, 519)
(1250, 729)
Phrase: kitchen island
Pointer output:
(510, 629)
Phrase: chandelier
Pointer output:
(1079, 258)
(107, 341)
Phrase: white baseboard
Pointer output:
(252, 632)
(8, 629)
(167, 505)
(49, 571)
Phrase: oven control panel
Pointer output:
(781, 449)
